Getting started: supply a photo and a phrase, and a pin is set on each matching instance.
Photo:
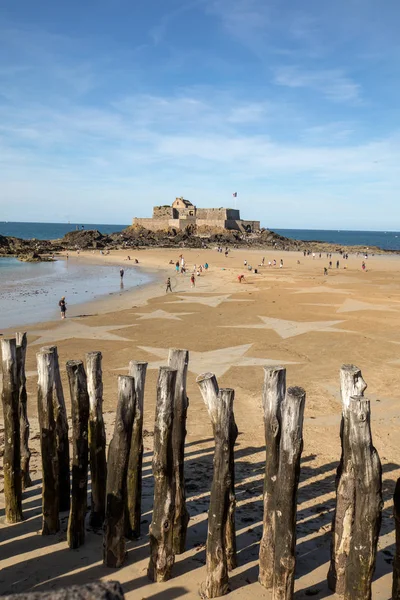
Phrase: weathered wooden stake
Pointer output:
(368, 502)
(220, 408)
(12, 450)
(274, 391)
(230, 532)
(179, 360)
(23, 413)
(162, 555)
(97, 439)
(80, 416)
(396, 561)
(60, 415)
(137, 370)
(291, 446)
(351, 384)
(118, 457)
(48, 444)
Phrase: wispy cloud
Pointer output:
(334, 84)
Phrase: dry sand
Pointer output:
(292, 316)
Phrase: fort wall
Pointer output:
(162, 212)
(183, 214)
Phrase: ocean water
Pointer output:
(387, 240)
(30, 292)
(50, 231)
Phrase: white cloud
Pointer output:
(334, 84)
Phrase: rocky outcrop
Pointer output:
(137, 236)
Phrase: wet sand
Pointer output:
(294, 316)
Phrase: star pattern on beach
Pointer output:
(162, 314)
(322, 289)
(350, 305)
(217, 361)
(71, 329)
(287, 329)
(212, 301)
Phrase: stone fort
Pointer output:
(183, 213)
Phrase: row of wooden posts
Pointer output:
(116, 483)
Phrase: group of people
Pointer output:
(180, 267)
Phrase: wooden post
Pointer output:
(368, 502)
(23, 414)
(60, 415)
(179, 360)
(274, 391)
(118, 457)
(230, 532)
(12, 451)
(220, 408)
(162, 555)
(80, 416)
(48, 444)
(97, 439)
(351, 384)
(290, 450)
(137, 370)
(396, 561)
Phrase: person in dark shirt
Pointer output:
(63, 307)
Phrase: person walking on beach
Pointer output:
(63, 307)
(121, 273)
(169, 288)
(192, 281)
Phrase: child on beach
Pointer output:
(192, 281)
(63, 307)
(169, 288)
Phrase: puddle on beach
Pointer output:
(29, 292)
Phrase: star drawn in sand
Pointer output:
(288, 329)
(217, 361)
(212, 301)
(321, 289)
(350, 305)
(75, 329)
(162, 314)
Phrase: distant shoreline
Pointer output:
(42, 238)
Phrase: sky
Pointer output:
(109, 107)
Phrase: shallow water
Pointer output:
(30, 292)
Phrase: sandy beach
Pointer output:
(294, 316)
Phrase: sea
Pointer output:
(30, 292)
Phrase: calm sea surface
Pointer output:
(29, 292)
(50, 231)
(389, 240)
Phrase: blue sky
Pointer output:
(109, 107)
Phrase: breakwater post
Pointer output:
(12, 450)
(21, 340)
(80, 417)
(162, 556)
(118, 458)
(221, 548)
(97, 439)
(137, 370)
